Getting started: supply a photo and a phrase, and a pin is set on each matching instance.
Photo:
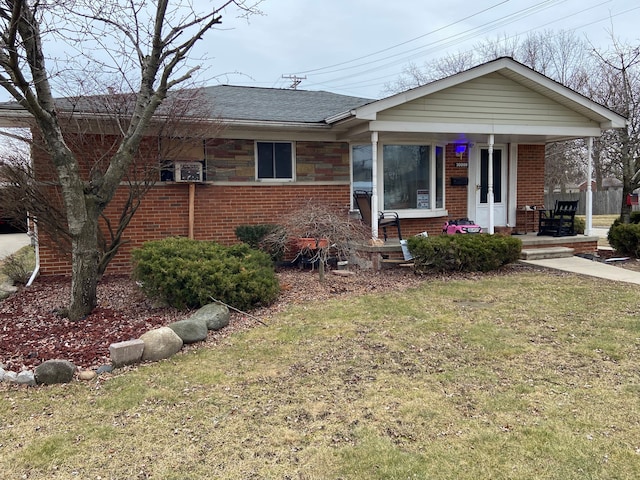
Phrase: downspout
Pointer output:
(490, 198)
(36, 244)
(374, 185)
(589, 206)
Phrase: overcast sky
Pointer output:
(354, 47)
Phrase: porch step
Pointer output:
(549, 252)
(395, 262)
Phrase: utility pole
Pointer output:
(295, 80)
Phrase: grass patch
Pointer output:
(522, 376)
(601, 221)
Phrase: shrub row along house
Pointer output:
(470, 145)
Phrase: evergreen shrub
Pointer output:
(625, 238)
(187, 273)
(463, 253)
(253, 235)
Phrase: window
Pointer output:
(413, 175)
(362, 161)
(274, 160)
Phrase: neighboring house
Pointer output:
(470, 145)
(608, 183)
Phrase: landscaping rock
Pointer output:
(10, 377)
(190, 331)
(126, 353)
(87, 375)
(7, 290)
(2, 373)
(26, 378)
(214, 315)
(54, 371)
(104, 369)
(160, 343)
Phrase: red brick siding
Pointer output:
(220, 208)
(530, 184)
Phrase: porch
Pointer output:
(389, 253)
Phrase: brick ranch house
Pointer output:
(470, 145)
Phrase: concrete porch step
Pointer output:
(548, 252)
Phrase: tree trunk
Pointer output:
(85, 258)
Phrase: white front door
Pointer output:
(499, 187)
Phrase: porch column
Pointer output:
(589, 206)
(490, 186)
(374, 185)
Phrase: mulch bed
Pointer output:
(32, 331)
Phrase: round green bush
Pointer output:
(189, 273)
(579, 224)
(625, 238)
(463, 253)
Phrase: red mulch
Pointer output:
(31, 332)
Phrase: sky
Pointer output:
(355, 47)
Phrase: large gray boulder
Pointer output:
(160, 343)
(54, 371)
(189, 330)
(214, 315)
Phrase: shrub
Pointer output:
(253, 235)
(187, 273)
(579, 224)
(625, 238)
(463, 253)
(19, 265)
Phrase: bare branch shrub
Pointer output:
(333, 232)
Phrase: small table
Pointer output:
(526, 216)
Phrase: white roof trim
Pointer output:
(471, 128)
(606, 117)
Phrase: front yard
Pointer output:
(528, 374)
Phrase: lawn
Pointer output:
(527, 375)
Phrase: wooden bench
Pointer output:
(559, 222)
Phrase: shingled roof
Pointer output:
(274, 104)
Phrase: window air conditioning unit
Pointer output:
(188, 172)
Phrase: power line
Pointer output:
(457, 38)
(452, 39)
(405, 42)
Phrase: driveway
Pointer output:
(12, 242)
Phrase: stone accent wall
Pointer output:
(322, 162)
(234, 161)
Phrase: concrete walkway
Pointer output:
(12, 242)
(592, 268)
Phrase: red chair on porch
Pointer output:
(362, 199)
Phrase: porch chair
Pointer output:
(559, 222)
(385, 219)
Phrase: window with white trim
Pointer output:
(274, 160)
(413, 175)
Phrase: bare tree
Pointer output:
(152, 39)
(618, 87)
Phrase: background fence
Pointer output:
(606, 202)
